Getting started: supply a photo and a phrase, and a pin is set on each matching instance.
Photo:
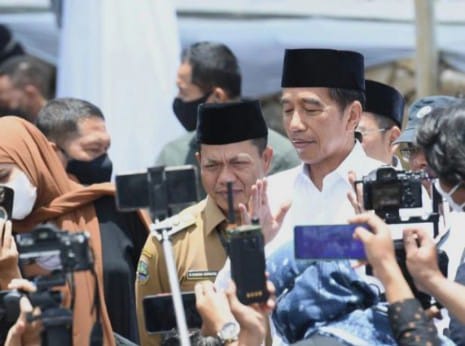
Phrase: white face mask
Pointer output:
(25, 195)
(448, 196)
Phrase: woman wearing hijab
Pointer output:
(44, 193)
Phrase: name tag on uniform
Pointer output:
(201, 274)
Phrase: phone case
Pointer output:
(247, 255)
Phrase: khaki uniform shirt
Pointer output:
(198, 251)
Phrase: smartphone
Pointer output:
(165, 190)
(328, 242)
(6, 202)
(159, 312)
(247, 256)
(182, 187)
(132, 191)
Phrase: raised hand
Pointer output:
(258, 211)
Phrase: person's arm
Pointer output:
(9, 269)
(23, 333)
(409, 323)
(213, 307)
(379, 249)
(422, 264)
(252, 318)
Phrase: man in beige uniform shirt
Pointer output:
(233, 148)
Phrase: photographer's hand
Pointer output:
(379, 249)
(258, 209)
(422, 264)
(252, 318)
(356, 196)
(9, 269)
(213, 307)
(23, 333)
(422, 261)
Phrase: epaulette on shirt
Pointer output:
(174, 224)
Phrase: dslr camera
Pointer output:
(54, 251)
(46, 256)
(387, 190)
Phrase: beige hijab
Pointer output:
(65, 203)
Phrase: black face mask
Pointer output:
(90, 172)
(186, 112)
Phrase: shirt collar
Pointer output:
(351, 162)
(212, 215)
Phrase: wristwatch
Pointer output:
(229, 332)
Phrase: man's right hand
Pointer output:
(259, 209)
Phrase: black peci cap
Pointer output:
(323, 68)
(384, 100)
(231, 122)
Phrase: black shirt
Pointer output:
(122, 235)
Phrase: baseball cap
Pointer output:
(418, 110)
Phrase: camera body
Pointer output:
(46, 255)
(6, 202)
(387, 189)
(55, 251)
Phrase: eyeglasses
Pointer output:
(366, 132)
(408, 152)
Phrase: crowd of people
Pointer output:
(340, 128)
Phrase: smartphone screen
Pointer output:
(159, 313)
(132, 191)
(327, 242)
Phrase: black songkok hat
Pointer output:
(384, 100)
(328, 68)
(224, 123)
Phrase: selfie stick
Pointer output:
(162, 232)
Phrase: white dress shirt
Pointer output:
(310, 206)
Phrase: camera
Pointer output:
(50, 253)
(387, 190)
(46, 256)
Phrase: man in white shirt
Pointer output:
(322, 98)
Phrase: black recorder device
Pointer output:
(247, 255)
(6, 202)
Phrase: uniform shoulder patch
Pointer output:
(142, 271)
